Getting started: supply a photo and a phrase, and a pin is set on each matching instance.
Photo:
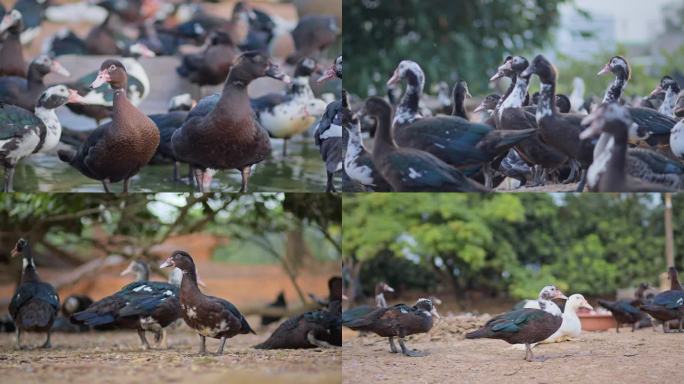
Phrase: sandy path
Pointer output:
(115, 357)
(598, 357)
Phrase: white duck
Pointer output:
(544, 302)
(571, 326)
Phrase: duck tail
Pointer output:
(609, 305)
(479, 334)
(66, 155)
(504, 139)
(36, 313)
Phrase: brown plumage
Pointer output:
(117, 150)
(12, 61)
(211, 66)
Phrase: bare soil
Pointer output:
(115, 357)
(595, 357)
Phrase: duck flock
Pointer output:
(153, 306)
(543, 139)
(226, 130)
(551, 318)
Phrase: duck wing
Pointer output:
(17, 122)
(29, 291)
(655, 122)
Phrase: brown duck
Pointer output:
(221, 132)
(117, 150)
(12, 61)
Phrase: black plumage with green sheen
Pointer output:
(35, 304)
(410, 169)
(668, 305)
(626, 311)
(523, 326)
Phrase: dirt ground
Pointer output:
(595, 357)
(115, 357)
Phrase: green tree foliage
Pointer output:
(449, 39)
(515, 244)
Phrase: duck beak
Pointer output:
(274, 72)
(128, 270)
(74, 97)
(434, 313)
(394, 79)
(167, 263)
(591, 131)
(15, 252)
(57, 68)
(656, 91)
(604, 70)
(5, 23)
(586, 305)
(344, 297)
(496, 76)
(388, 288)
(467, 93)
(479, 108)
(560, 295)
(328, 74)
(102, 77)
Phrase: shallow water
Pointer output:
(302, 170)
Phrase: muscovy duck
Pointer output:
(24, 133)
(523, 326)
(209, 316)
(544, 302)
(358, 162)
(260, 34)
(613, 169)
(22, 92)
(409, 169)
(35, 304)
(99, 103)
(560, 131)
(328, 132)
(221, 132)
(627, 311)
(398, 321)
(12, 61)
(657, 125)
(668, 305)
(454, 140)
(142, 305)
(671, 90)
(571, 325)
(459, 95)
(168, 123)
(117, 150)
(286, 114)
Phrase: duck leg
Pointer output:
(583, 180)
(19, 339)
(143, 340)
(285, 147)
(47, 343)
(127, 183)
(617, 328)
(160, 339)
(393, 348)
(9, 179)
(199, 176)
(246, 172)
(528, 353)
(487, 173)
(573, 172)
(314, 341)
(219, 352)
(105, 185)
(203, 345)
(330, 186)
(408, 352)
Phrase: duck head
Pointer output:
(611, 118)
(22, 248)
(12, 21)
(667, 84)
(551, 292)
(242, 12)
(382, 288)
(374, 108)
(305, 67)
(409, 70)
(504, 69)
(461, 88)
(427, 306)
(563, 103)
(138, 268)
(252, 65)
(672, 276)
(543, 68)
(618, 66)
(112, 72)
(335, 70)
(488, 103)
(576, 302)
(58, 95)
(139, 50)
(183, 261)
(44, 64)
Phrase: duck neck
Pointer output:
(547, 97)
(53, 128)
(516, 98)
(667, 107)
(383, 136)
(189, 283)
(610, 156)
(34, 79)
(674, 283)
(614, 91)
(407, 110)
(380, 301)
(233, 98)
(459, 107)
(509, 90)
(354, 144)
(142, 274)
(301, 89)
(28, 271)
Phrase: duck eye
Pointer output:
(111, 68)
